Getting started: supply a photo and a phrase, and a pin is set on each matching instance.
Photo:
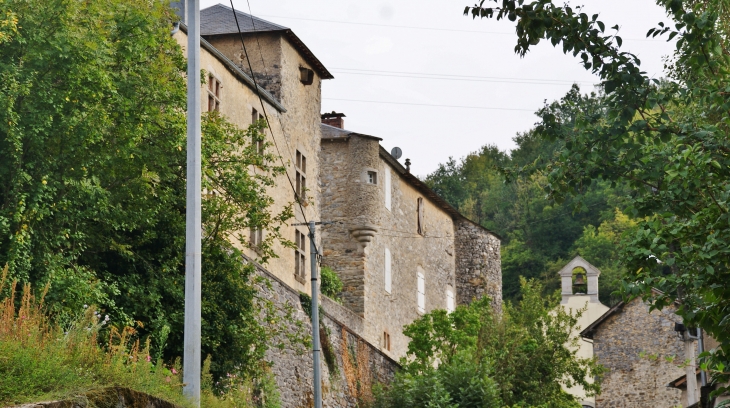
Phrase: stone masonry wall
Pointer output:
(478, 264)
(633, 381)
(276, 63)
(350, 365)
(341, 252)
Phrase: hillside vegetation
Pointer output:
(506, 192)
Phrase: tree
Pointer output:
(92, 176)
(476, 357)
(668, 140)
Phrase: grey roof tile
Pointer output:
(219, 19)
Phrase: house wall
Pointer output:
(632, 380)
(358, 206)
(295, 129)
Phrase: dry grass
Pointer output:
(40, 360)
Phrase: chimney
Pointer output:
(179, 7)
(334, 119)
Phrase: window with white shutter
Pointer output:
(450, 303)
(421, 291)
(388, 276)
(386, 185)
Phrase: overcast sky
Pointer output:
(414, 54)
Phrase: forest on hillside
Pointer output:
(506, 193)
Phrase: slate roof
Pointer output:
(219, 20)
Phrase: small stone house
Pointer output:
(400, 249)
(643, 351)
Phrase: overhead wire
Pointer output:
(465, 78)
(268, 123)
(432, 105)
(419, 28)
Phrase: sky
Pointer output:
(438, 84)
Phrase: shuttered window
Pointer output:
(421, 291)
(386, 185)
(450, 303)
(388, 276)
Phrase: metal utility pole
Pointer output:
(191, 353)
(315, 319)
(316, 348)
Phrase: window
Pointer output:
(450, 304)
(301, 178)
(421, 228)
(372, 177)
(258, 142)
(257, 237)
(387, 187)
(421, 291)
(214, 93)
(386, 340)
(388, 279)
(300, 259)
(306, 75)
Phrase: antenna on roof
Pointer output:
(396, 152)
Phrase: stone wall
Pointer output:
(276, 64)
(350, 365)
(478, 264)
(633, 381)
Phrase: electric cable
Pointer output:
(432, 105)
(268, 123)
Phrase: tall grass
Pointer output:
(40, 359)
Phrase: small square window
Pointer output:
(372, 177)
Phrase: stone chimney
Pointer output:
(179, 7)
(334, 119)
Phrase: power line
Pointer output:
(461, 79)
(416, 27)
(448, 76)
(431, 105)
(266, 116)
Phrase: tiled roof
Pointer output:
(219, 20)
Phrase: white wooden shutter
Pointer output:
(421, 293)
(386, 185)
(450, 304)
(388, 276)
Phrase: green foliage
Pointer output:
(41, 360)
(92, 177)
(331, 284)
(476, 357)
(539, 235)
(668, 141)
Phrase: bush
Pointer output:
(331, 283)
(41, 359)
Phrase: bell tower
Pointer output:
(583, 282)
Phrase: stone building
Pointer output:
(400, 250)
(642, 350)
(434, 257)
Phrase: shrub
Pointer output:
(331, 283)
